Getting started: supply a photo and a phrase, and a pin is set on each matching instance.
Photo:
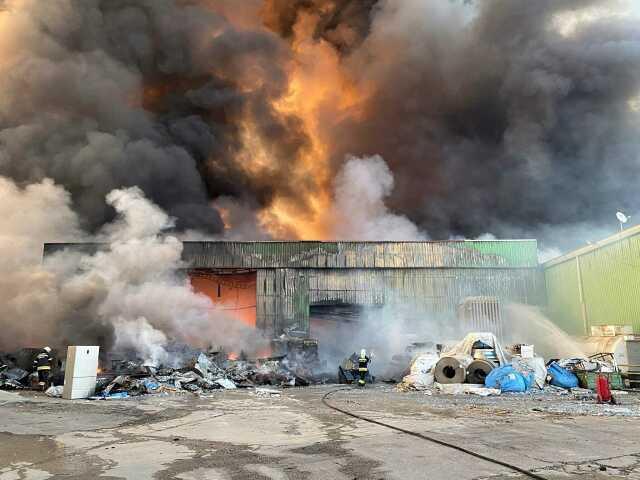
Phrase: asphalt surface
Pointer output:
(242, 435)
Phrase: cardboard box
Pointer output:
(526, 351)
(611, 330)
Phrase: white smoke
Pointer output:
(528, 324)
(143, 295)
(546, 254)
(132, 295)
(29, 304)
(359, 211)
(139, 336)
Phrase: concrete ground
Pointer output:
(242, 435)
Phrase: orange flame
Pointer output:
(225, 215)
(319, 91)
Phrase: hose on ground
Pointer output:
(428, 438)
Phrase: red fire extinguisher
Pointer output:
(603, 391)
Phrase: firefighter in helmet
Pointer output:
(42, 364)
(363, 367)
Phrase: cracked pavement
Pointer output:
(239, 435)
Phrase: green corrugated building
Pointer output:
(596, 285)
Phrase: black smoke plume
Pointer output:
(501, 116)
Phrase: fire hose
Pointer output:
(426, 437)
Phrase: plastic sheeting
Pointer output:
(465, 346)
(508, 379)
(534, 366)
(561, 377)
(420, 376)
(54, 391)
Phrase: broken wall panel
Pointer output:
(283, 300)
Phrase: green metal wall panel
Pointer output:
(511, 252)
(563, 297)
(439, 289)
(608, 276)
(611, 283)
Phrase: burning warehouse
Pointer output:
(236, 197)
(312, 288)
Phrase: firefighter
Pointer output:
(42, 364)
(363, 367)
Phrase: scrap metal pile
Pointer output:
(13, 378)
(204, 373)
(16, 370)
(201, 372)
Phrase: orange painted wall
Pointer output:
(235, 293)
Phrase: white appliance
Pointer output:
(80, 372)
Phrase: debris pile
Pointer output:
(479, 365)
(16, 369)
(204, 373)
(13, 378)
(588, 370)
(468, 362)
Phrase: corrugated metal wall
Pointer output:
(597, 285)
(431, 276)
(563, 297)
(445, 254)
(282, 300)
(284, 295)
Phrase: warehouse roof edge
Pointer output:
(347, 254)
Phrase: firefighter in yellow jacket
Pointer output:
(363, 367)
(42, 364)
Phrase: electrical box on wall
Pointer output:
(80, 372)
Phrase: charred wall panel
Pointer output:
(443, 254)
(283, 300)
(285, 295)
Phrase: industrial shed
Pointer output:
(596, 285)
(286, 285)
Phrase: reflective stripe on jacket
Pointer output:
(43, 361)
